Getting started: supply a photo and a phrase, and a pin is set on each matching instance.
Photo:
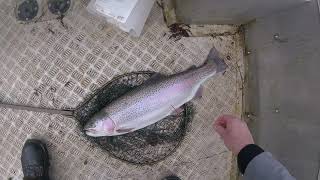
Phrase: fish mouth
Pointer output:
(94, 133)
(90, 131)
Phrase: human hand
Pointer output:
(234, 132)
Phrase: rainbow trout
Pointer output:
(157, 98)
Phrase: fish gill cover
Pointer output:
(145, 146)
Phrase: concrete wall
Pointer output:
(284, 86)
(228, 11)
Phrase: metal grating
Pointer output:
(58, 63)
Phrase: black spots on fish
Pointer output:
(229, 58)
(126, 103)
(85, 162)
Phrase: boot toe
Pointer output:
(34, 158)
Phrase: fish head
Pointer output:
(100, 127)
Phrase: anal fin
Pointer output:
(177, 111)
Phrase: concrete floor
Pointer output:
(284, 86)
(37, 60)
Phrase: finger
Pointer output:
(221, 121)
(225, 120)
(228, 120)
(220, 130)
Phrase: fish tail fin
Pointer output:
(214, 59)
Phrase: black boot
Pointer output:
(35, 160)
(173, 177)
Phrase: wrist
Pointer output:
(240, 147)
(246, 154)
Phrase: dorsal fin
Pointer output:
(154, 77)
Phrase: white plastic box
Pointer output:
(128, 15)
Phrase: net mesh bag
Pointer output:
(145, 146)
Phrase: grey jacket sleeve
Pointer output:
(265, 167)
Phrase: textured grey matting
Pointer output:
(57, 65)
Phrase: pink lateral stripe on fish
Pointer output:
(154, 100)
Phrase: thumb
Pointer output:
(220, 130)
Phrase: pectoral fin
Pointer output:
(124, 130)
(177, 111)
